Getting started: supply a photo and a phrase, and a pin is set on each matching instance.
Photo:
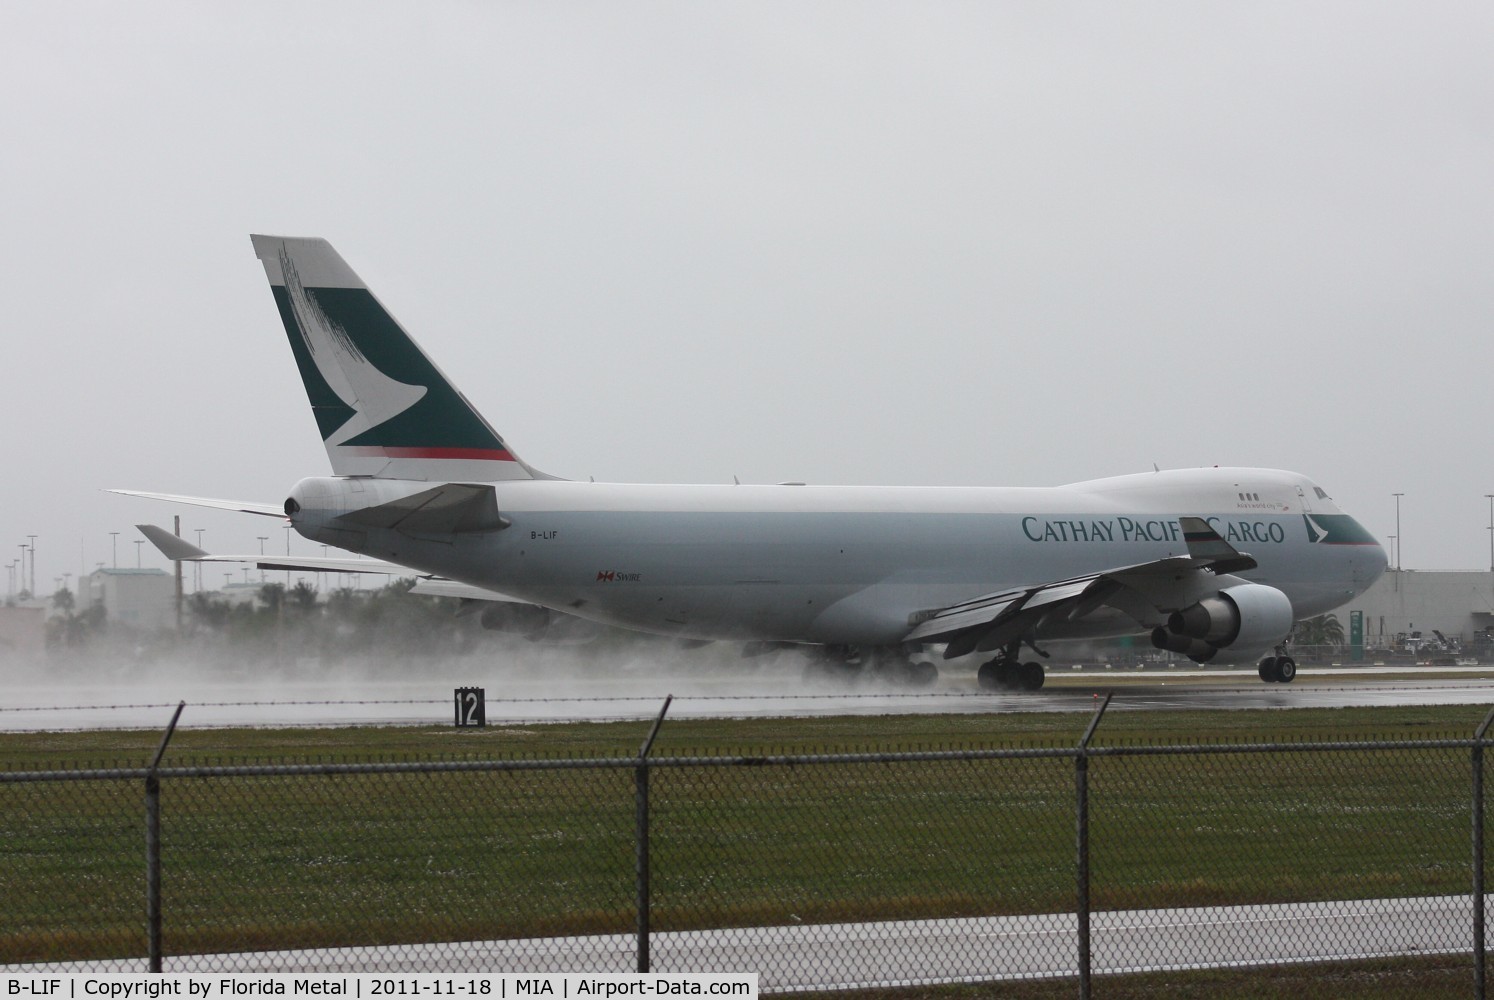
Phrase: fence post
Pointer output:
(153, 846)
(1081, 811)
(641, 805)
(1478, 856)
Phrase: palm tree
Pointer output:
(1324, 630)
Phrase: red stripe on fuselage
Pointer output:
(464, 454)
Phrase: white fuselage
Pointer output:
(852, 565)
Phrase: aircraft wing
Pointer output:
(179, 550)
(242, 507)
(994, 620)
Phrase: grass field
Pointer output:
(277, 861)
(134, 748)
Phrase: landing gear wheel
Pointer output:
(1007, 674)
(1286, 669)
(999, 674)
(988, 676)
(1030, 676)
(1268, 670)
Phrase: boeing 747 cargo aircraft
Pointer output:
(1214, 564)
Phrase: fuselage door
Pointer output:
(1306, 503)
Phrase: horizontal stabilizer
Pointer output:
(242, 506)
(452, 508)
(172, 546)
(178, 550)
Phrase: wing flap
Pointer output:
(958, 617)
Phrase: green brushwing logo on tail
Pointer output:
(345, 343)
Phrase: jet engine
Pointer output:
(1246, 620)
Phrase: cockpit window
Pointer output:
(1319, 491)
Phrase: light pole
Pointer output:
(33, 564)
(1490, 497)
(262, 540)
(1398, 530)
(114, 547)
(197, 566)
(138, 543)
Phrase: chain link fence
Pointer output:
(815, 871)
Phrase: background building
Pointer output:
(1459, 605)
(139, 598)
(23, 631)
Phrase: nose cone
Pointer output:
(1369, 561)
(1357, 549)
(1378, 561)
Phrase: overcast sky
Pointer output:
(963, 244)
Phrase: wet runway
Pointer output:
(551, 696)
(912, 952)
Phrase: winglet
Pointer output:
(1206, 546)
(172, 547)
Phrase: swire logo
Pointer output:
(613, 576)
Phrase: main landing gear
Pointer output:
(1278, 669)
(1007, 672)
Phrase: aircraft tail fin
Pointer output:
(383, 408)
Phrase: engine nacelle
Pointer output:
(1246, 619)
(1195, 649)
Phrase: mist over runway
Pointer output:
(562, 686)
